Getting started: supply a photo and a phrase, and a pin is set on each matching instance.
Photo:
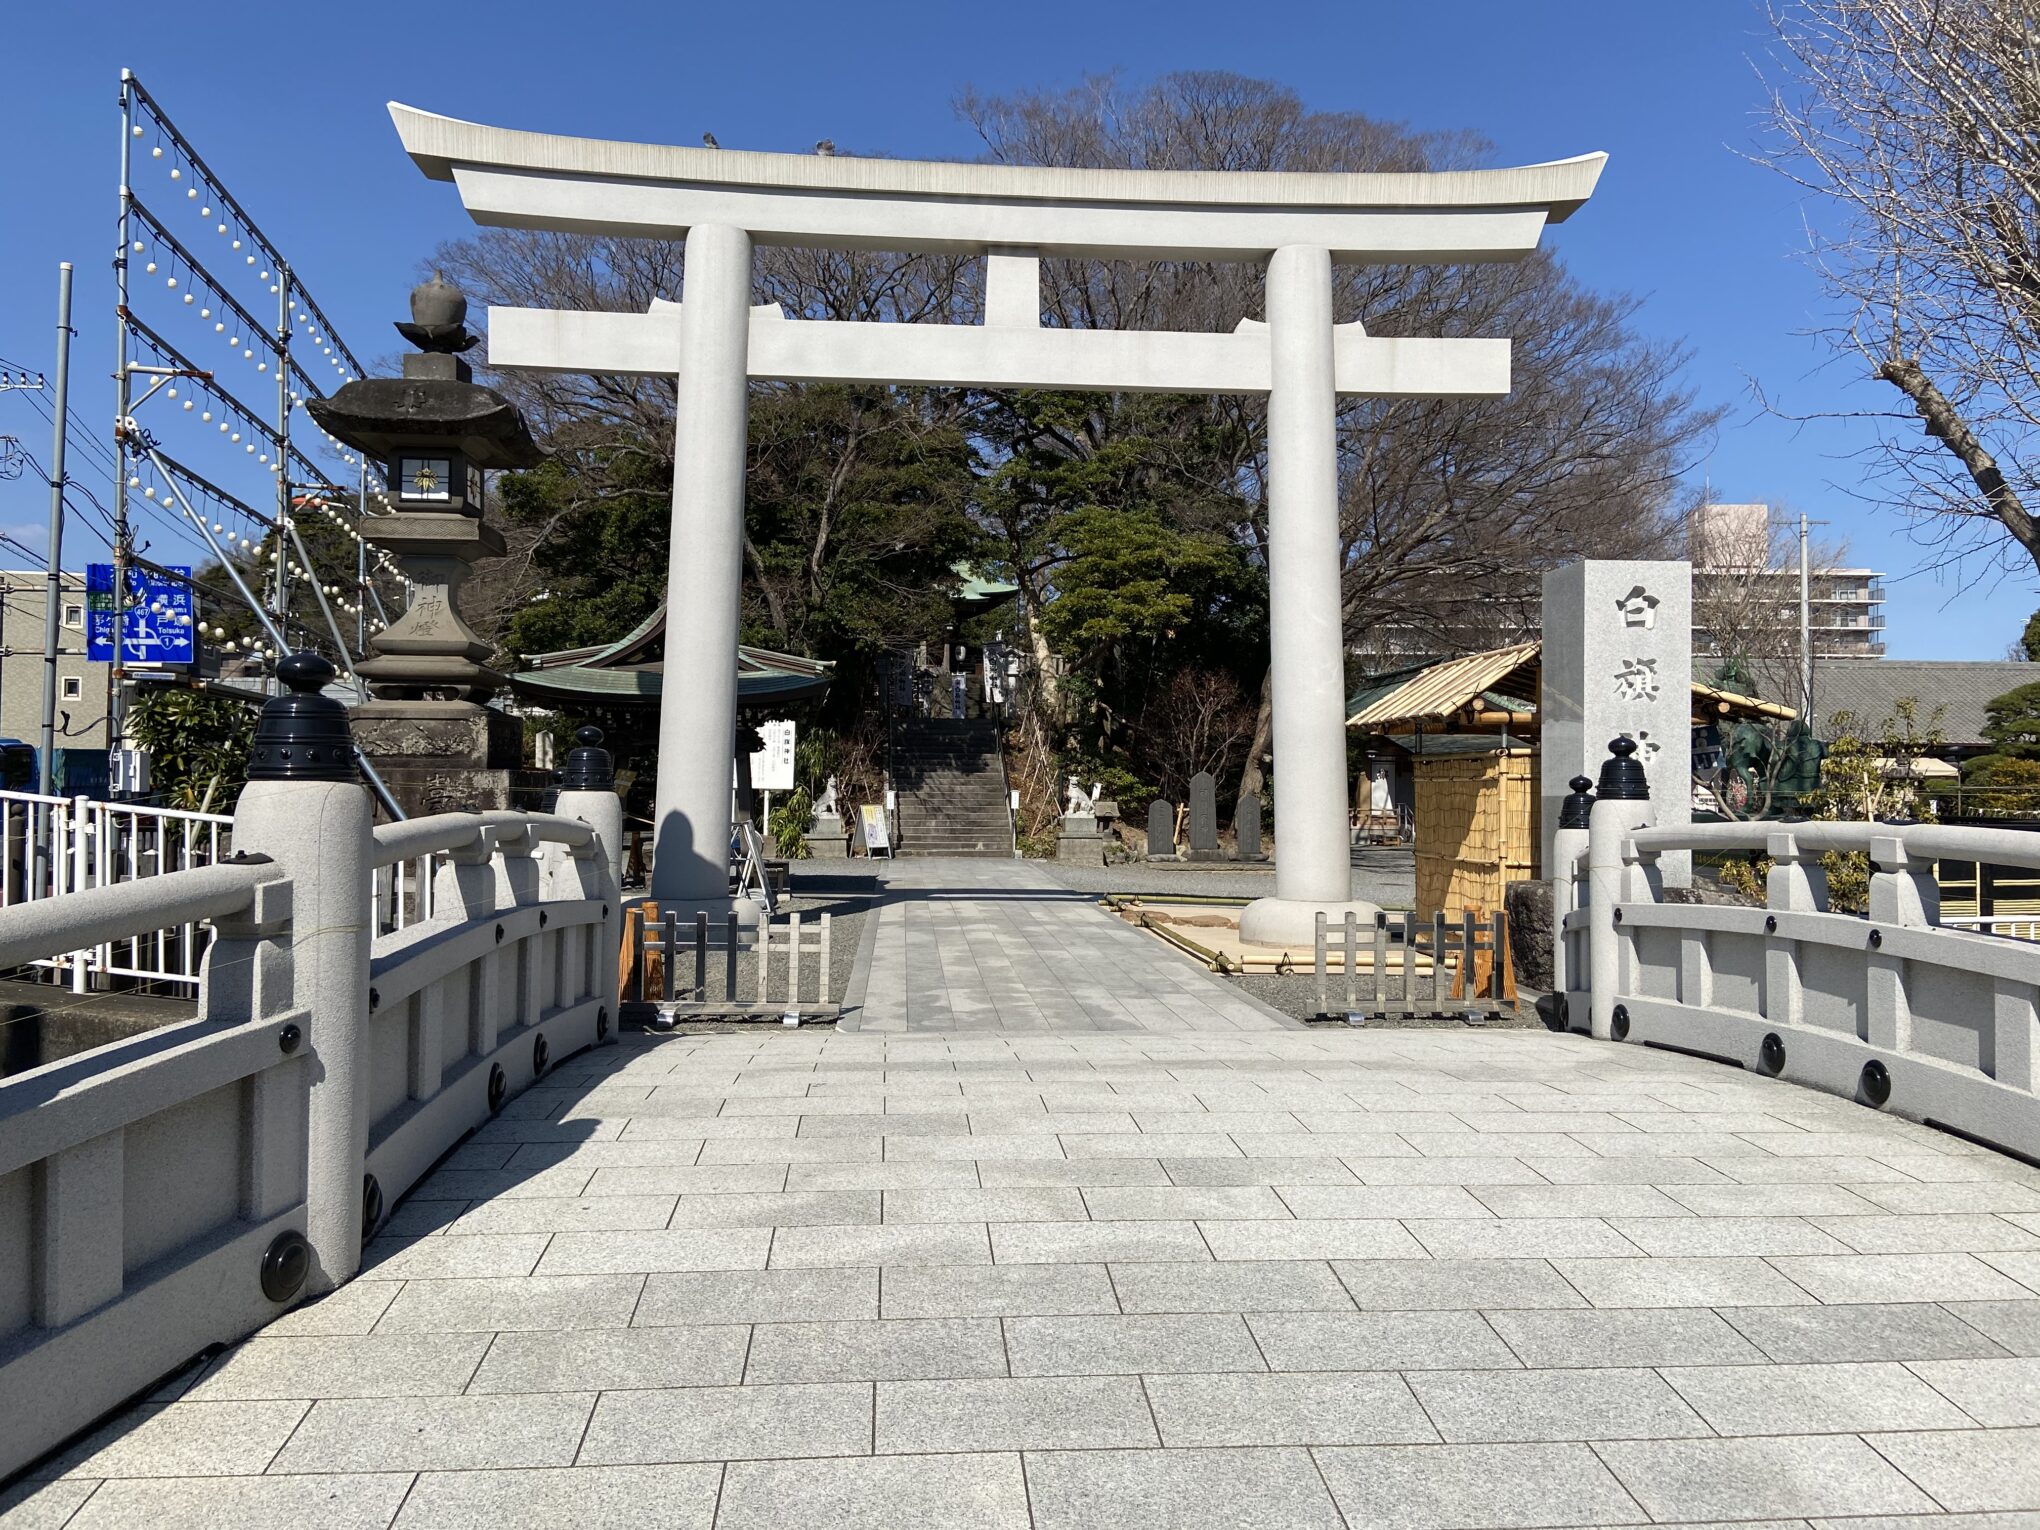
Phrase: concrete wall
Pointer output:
(21, 665)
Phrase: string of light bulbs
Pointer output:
(206, 289)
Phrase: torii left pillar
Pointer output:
(704, 579)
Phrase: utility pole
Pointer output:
(1805, 633)
(53, 589)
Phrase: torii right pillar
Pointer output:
(1306, 623)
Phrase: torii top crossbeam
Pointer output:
(593, 185)
(1299, 224)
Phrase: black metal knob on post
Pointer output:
(589, 767)
(1573, 811)
(1622, 777)
(303, 735)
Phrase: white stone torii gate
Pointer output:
(714, 342)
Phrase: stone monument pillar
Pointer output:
(1618, 663)
(434, 742)
(827, 838)
(1077, 838)
(1203, 818)
(1161, 833)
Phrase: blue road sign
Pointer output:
(160, 623)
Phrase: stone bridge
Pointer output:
(1059, 1231)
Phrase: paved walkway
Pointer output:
(986, 946)
(1161, 1280)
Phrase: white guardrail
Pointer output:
(1933, 1020)
(54, 846)
(181, 1188)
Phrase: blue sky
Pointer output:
(286, 103)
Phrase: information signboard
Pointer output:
(877, 834)
(159, 625)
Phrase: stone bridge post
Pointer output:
(306, 808)
(1622, 803)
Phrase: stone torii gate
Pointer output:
(714, 341)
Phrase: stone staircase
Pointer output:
(951, 780)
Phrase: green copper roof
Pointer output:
(625, 673)
(978, 591)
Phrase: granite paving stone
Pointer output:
(1473, 1487)
(602, 1359)
(1258, 1171)
(747, 1423)
(1080, 1173)
(1971, 1232)
(1096, 1242)
(1237, 1489)
(1574, 1201)
(338, 1501)
(1999, 1394)
(763, 1296)
(1617, 1336)
(1395, 1285)
(2013, 1325)
(453, 1255)
(550, 1214)
(444, 1433)
(926, 1492)
(1020, 1290)
(1497, 1407)
(1045, 1203)
(1860, 1331)
(1296, 1408)
(44, 1505)
(890, 1349)
(1014, 1413)
(1971, 1471)
(796, 1248)
(1130, 1344)
(793, 1208)
(1810, 1476)
(1188, 1203)
(1279, 1285)
(587, 1498)
(372, 1365)
(182, 1439)
(1681, 1282)
(1813, 1399)
(1900, 1278)
(664, 1250)
(1378, 1341)
(1526, 1237)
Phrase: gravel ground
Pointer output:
(849, 899)
(1382, 875)
(1297, 996)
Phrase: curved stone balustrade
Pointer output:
(1892, 1009)
(181, 1188)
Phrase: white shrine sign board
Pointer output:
(772, 766)
(1618, 662)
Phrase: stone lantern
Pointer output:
(434, 431)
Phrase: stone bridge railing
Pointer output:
(179, 1189)
(1891, 1008)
